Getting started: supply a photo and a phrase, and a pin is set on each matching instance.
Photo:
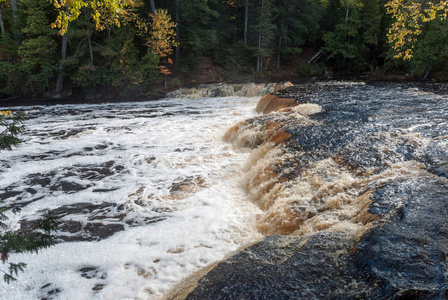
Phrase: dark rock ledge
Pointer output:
(403, 259)
(401, 252)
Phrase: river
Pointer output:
(350, 187)
(147, 193)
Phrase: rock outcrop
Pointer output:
(354, 197)
(269, 103)
(227, 90)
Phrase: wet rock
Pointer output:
(402, 257)
(183, 187)
(407, 255)
(9, 194)
(93, 222)
(68, 187)
(48, 292)
(287, 268)
(362, 189)
(269, 103)
(440, 169)
(102, 231)
(224, 90)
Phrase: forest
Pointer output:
(55, 48)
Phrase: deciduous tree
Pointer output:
(409, 18)
(103, 12)
(162, 39)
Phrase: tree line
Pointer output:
(47, 46)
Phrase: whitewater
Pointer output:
(147, 194)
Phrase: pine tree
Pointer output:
(36, 237)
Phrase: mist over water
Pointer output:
(147, 193)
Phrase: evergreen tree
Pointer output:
(299, 24)
(343, 44)
(431, 50)
(38, 48)
(36, 237)
(265, 29)
(197, 33)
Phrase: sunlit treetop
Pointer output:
(162, 37)
(409, 19)
(104, 12)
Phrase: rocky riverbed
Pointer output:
(352, 182)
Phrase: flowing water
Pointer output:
(146, 192)
(318, 166)
(352, 185)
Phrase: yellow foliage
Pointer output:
(162, 37)
(6, 113)
(104, 12)
(409, 17)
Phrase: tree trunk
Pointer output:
(15, 17)
(60, 80)
(260, 48)
(89, 40)
(153, 7)
(346, 14)
(246, 20)
(177, 18)
(259, 63)
(280, 42)
(2, 24)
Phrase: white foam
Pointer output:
(155, 144)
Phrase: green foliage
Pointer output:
(38, 235)
(28, 68)
(356, 40)
(198, 34)
(38, 49)
(237, 60)
(306, 70)
(11, 125)
(13, 78)
(299, 23)
(353, 34)
(37, 60)
(431, 50)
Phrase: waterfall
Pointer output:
(351, 182)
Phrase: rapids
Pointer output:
(146, 192)
(316, 164)
(348, 187)
(352, 182)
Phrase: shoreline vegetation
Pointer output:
(203, 89)
(84, 50)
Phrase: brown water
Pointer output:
(315, 166)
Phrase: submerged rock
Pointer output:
(358, 190)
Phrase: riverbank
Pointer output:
(202, 91)
(206, 74)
